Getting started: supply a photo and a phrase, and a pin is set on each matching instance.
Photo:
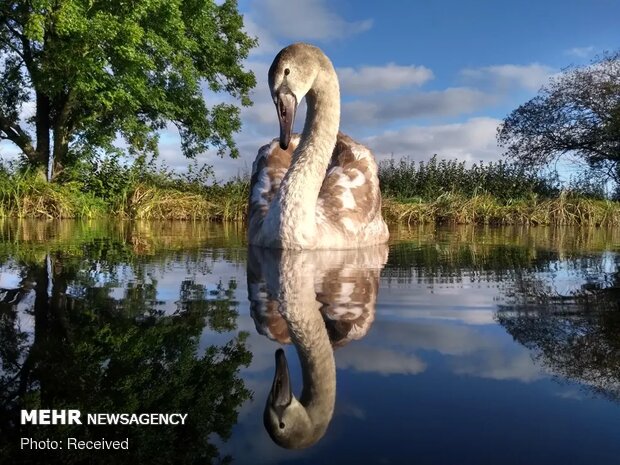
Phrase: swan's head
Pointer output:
(291, 76)
(286, 419)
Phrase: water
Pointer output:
(452, 346)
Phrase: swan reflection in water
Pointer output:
(316, 300)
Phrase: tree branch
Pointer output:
(14, 48)
(17, 135)
(26, 53)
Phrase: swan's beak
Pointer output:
(281, 393)
(286, 104)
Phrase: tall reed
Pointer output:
(436, 191)
(407, 179)
(486, 209)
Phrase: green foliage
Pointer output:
(26, 194)
(588, 184)
(102, 69)
(429, 180)
(432, 192)
(100, 186)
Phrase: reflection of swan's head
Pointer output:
(286, 420)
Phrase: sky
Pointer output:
(417, 77)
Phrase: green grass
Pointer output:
(447, 191)
(108, 188)
(215, 203)
(27, 195)
(30, 197)
(432, 192)
(485, 209)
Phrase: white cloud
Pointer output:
(508, 77)
(473, 317)
(305, 20)
(472, 140)
(267, 44)
(262, 112)
(449, 102)
(436, 335)
(501, 366)
(378, 360)
(581, 52)
(398, 347)
(370, 79)
(8, 151)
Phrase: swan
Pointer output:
(319, 190)
(317, 300)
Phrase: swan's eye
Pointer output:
(287, 72)
(281, 425)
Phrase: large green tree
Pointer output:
(577, 113)
(96, 70)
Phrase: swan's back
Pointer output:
(349, 201)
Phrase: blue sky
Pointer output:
(417, 77)
(424, 77)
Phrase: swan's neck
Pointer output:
(318, 367)
(318, 371)
(300, 309)
(302, 183)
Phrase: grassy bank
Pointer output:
(431, 192)
(448, 191)
(485, 209)
(140, 192)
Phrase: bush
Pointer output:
(407, 179)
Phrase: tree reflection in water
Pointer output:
(90, 351)
(560, 287)
(575, 334)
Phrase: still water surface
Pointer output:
(449, 346)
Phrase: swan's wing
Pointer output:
(268, 169)
(350, 197)
(348, 298)
(267, 318)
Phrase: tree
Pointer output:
(577, 113)
(96, 70)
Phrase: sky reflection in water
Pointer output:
(496, 345)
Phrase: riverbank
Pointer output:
(228, 202)
(484, 209)
(431, 192)
(33, 197)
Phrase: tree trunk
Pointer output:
(42, 118)
(61, 148)
(61, 135)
